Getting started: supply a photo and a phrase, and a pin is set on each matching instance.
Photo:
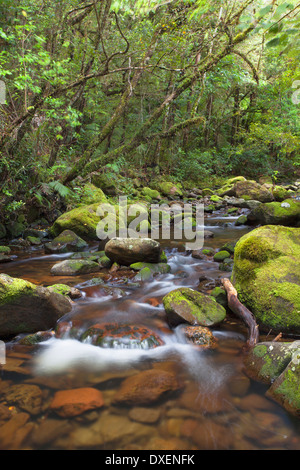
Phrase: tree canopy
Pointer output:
(196, 89)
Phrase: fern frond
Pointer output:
(61, 189)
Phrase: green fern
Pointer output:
(61, 189)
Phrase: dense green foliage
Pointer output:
(190, 89)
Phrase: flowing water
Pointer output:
(215, 406)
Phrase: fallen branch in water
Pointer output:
(242, 312)
(278, 337)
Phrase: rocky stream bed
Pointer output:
(63, 393)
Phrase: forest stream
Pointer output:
(214, 406)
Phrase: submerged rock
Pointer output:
(185, 305)
(36, 338)
(27, 308)
(146, 387)
(66, 242)
(28, 397)
(112, 335)
(126, 251)
(266, 274)
(70, 403)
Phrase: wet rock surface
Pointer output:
(126, 251)
(27, 308)
(187, 305)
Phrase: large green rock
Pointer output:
(66, 242)
(27, 308)
(84, 220)
(168, 189)
(253, 191)
(285, 390)
(151, 193)
(267, 360)
(228, 187)
(74, 267)
(185, 305)
(91, 194)
(276, 213)
(266, 275)
(81, 220)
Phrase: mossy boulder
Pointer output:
(34, 240)
(267, 360)
(15, 229)
(74, 267)
(66, 242)
(85, 220)
(151, 193)
(5, 250)
(285, 390)
(221, 256)
(108, 181)
(81, 220)
(276, 213)
(27, 308)
(65, 290)
(126, 251)
(34, 232)
(252, 190)
(144, 274)
(155, 268)
(185, 305)
(220, 295)
(90, 194)
(207, 192)
(242, 220)
(280, 193)
(169, 189)
(105, 262)
(216, 199)
(266, 275)
(229, 246)
(228, 187)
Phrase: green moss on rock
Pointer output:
(5, 249)
(285, 213)
(151, 193)
(91, 194)
(266, 361)
(187, 305)
(221, 256)
(286, 388)
(266, 275)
